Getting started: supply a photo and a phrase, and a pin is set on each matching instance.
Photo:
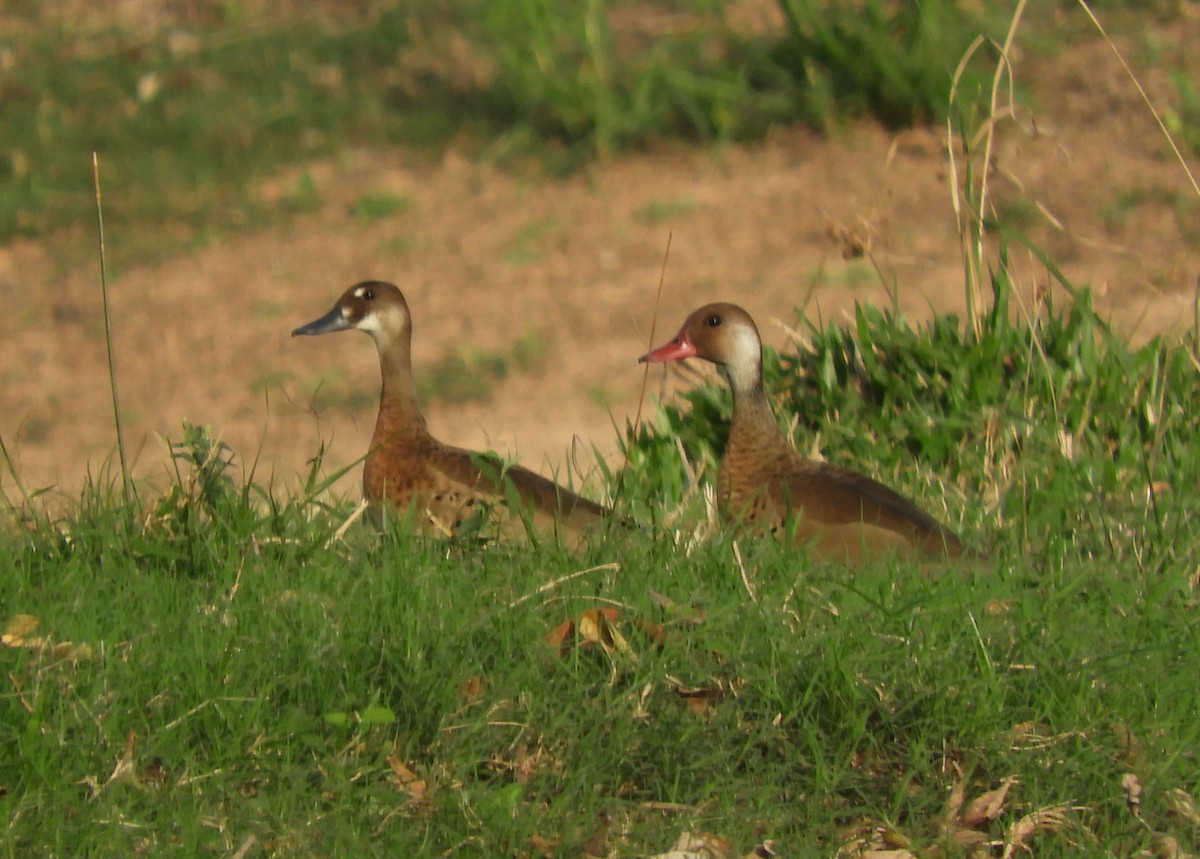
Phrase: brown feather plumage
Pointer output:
(766, 486)
(447, 490)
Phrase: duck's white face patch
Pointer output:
(384, 324)
(744, 356)
(360, 292)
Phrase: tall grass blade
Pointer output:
(108, 339)
(11, 467)
(637, 418)
(1145, 98)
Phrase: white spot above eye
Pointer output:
(360, 292)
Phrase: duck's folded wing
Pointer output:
(477, 478)
(824, 494)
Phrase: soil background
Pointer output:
(799, 222)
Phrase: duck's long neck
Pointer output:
(756, 446)
(753, 420)
(400, 418)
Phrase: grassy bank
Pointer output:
(213, 670)
(192, 117)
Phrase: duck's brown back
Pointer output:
(769, 487)
(451, 491)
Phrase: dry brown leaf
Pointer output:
(690, 845)
(543, 846)
(596, 626)
(471, 689)
(1043, 820)
(1163, 846)
(526, 764)
(969, 838)
(1182, 804)
(987, 807)
(124, 769)
(656, 632)
(699, 699)
(869, 838)
(766, 850)
(17, 633)
(1130, 746)
(997, 606)
(18, 629)
(1132, 787)
(405, 780)
(698, 706)
(954, 802)
(560, 636)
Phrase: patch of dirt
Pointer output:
(486, 257)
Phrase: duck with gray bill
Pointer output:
(448, 490)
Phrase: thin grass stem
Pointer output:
(1145, 97)
(108, 338)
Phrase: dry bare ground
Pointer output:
(486, 257)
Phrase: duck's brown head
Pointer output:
(723, 334)
(373, 306)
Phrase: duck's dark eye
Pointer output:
(368, 294)
(713, 321)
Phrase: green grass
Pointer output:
(209, 669)
(380, 206)
(222, 674)
(214, 671)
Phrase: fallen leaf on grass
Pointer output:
(124, 769)
(1043, 820)
(871, 840)
(988, 806)
(527, 764)
(594, 627)
(1132, 789)
(968, 828)
(1130, 747)
(405, 780)
(954, 802)
(700, 699)
(18, 629)
(656, 632)
(1164, 846)
(1031, 736)
(471, 689)
(692, 846)
(547, 847)
(18, 633)
(599, 626)
(1182, 804)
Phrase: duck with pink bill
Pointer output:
(766, 486)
